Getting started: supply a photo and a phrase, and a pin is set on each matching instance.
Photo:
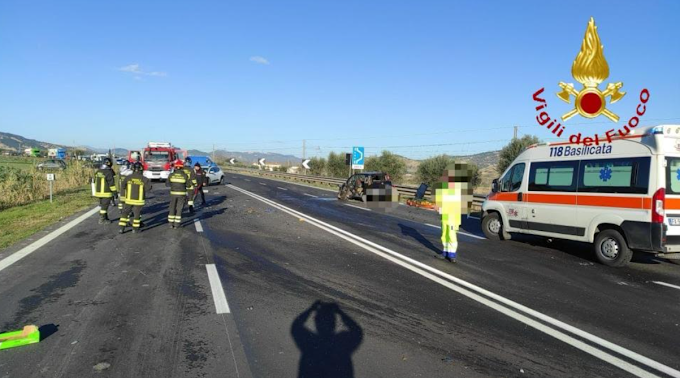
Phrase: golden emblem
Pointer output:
(590, 69)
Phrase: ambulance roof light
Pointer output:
(657, 130)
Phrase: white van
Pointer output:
(622, 195)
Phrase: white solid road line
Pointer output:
(278, 187)
(199, 226)
(221, 305)
(460, 232)
(263, 184)
(501, 304)
(357, 207)
(310, 195)
(16, 256)
(666, 284)
(471, 235)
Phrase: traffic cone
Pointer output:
(29, 335)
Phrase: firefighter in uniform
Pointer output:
(192, 181)
(104, 183)
(135, 187)
(179, 184)
(125, 170)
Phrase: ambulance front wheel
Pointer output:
(492, 226)
(611, 249)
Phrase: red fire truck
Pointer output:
(157, 160)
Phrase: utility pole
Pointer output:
(515, 134)
(304, 154)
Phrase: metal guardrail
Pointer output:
(407, 191)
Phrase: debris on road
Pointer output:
(29, 335)
(101, 366)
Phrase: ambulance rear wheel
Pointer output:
(611, 249)
(492, 226)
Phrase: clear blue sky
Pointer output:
(263, 75)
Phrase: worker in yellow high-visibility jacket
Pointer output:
(453, 197)
(104, 188)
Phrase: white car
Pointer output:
(214, 175)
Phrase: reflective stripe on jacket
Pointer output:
(178, 182)
(191, 177)
(136, 188)
(104, 183)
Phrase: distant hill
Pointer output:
(17, 143)
(117, 151)
(251, 157)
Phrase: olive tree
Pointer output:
(389, 163)
(430, 170)
(512, 150)
(335, 165)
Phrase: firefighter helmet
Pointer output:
(107, 162)
(178, 164)
(137, 167)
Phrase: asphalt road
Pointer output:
(322, 288)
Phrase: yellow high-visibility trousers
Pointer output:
(449, 236)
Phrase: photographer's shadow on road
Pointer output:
(328, 351)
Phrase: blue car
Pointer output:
(204, 161)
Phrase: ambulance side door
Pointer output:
(511, 193)
(552, 197)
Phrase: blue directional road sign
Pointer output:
(357, 158)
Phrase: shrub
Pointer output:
(317, 166)
(335, 165)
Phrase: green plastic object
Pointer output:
(29, 335)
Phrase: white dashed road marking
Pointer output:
(310, 195)
(459, 232)
(221, 305)
(199, 226)
(357, 207)
(278, 187)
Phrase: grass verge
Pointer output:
(22, 221)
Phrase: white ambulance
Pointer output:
(621, 195)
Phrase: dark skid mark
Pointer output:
(48, 292)
(81, 234)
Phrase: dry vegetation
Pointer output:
(19, 186)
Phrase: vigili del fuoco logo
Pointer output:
(590, 68)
